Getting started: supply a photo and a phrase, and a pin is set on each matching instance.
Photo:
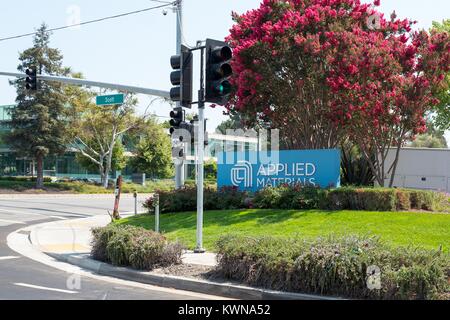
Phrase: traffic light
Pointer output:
(31, 79)
(178, 152)
(176, 119)
(194, 129)
(182, 77)
(218, 71)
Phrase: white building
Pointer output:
(421, 168)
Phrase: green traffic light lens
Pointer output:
(225, 88)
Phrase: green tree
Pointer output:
(38, 122)
(118, 162)
(233, 123)
(428, 141)
(442, 111)
(210, 169)
(96, 132)
(154, 151)
(433, 138)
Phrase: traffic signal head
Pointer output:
(176, 118)
(178, 152)
(31, 79)
(218, 71)
(182, 77)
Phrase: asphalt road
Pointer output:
(23, 278)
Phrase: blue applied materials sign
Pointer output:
(252, 170)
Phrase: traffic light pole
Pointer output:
(200, 153)
(179, 166)
(83, 82)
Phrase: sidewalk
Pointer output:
(68, 241)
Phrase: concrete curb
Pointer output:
(182, 283)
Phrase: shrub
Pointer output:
(370, 199)
(267, 198)
(185, 199)
(23, 179)
(403, 199)
(100, 239)
(302, 198)
(334, 266)
(426, 200)
(229, 198)
(308, 197)
(150, 249)
(119, 246)
(124, 245)
(290, 197)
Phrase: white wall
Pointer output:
(421, 168)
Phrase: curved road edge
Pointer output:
(19, 241)
(25, 241)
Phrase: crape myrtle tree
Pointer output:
(326, 70)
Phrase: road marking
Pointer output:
(44, 288)
(21, 212)
(9, 258)
(12, 221)
(56, 217)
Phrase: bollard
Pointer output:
(156, 202)
(135, 195)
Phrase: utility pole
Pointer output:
(179, 165)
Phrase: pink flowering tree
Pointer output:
(326, 70)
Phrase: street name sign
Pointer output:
(252, 170)
(109, 100)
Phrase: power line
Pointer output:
(167, 2)
(91, 21)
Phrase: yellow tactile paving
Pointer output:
(64, 248)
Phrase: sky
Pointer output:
(135, 50)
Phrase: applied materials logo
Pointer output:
(242, 174)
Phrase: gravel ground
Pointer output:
(186, 270)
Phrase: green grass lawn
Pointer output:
(428, 230)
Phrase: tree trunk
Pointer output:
(101, 170)
(105, 179)
(40, 172)
(394, 165)
(109, 157)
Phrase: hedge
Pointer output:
(383, 199)
(23, 179)
(335, 267)
(134, 246)
(185, 199)
(303, 197)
